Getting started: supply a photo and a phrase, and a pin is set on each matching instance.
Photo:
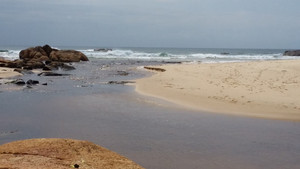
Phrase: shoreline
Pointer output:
(264, 89)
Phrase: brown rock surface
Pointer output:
(67, 56)
(59, 154)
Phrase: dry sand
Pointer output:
(267, 89)
(60, 154)
(8, 72)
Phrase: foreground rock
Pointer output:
(60, 154)
(67, 56)
(292, 53)
(44, 58)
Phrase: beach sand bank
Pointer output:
(267, 89)
(8, 72)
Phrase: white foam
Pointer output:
(160, 56)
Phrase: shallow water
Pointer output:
(151, 132)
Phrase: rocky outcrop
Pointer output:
(67, 56)
(102, 50)
(60, 154)
(292, 53)
(46, 53)
(45, 58)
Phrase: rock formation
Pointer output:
(60, 154)
(292, 53)
(40, 57)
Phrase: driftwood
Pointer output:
(155, 69)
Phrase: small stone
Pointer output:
(18, 82)
(32, 82)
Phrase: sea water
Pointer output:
(169, 54)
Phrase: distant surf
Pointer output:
(172, 54)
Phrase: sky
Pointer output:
(272, 24)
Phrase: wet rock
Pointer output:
(56, 65)
(19, 82)
(45, 84)
(66, 67)
(171, 62)
(292, 53)
(119, 82)
(67, 56)
(34, 64)
(52, 74)
(47, 68)
(102, 50)
(23, 71)
(48, 49)
(32, 82)
(15, 64)
(122, 73)
(32, 53)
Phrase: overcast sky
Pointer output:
(151, 23)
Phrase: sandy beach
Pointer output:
(267, 89)
(8, 72)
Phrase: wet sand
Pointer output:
(267, 89)
(151, 132)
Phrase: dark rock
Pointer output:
(292, 53)
(32, 53)
(66, 67)
(35, 64)
(119, 82)
(15, 64)
(122, 73)
(102, 50)
(23, 71)
(32, 82)
(18, 82)
(47, 68)
(47, 49)
(171, 62)
(45, 84)
(52, 74)
(68, 56)
(56, 65)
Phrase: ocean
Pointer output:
(169, 54)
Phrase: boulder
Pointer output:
(67, 56)
(55, 65)
(102, 50)
(292, 53)
(18, 82)
(52, 74)
(15, 64)
(60, 154)
(32, 53)
(34, 64)
(48, 49)
(32, 82)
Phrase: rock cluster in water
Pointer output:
(44, 57)
(292, 53)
